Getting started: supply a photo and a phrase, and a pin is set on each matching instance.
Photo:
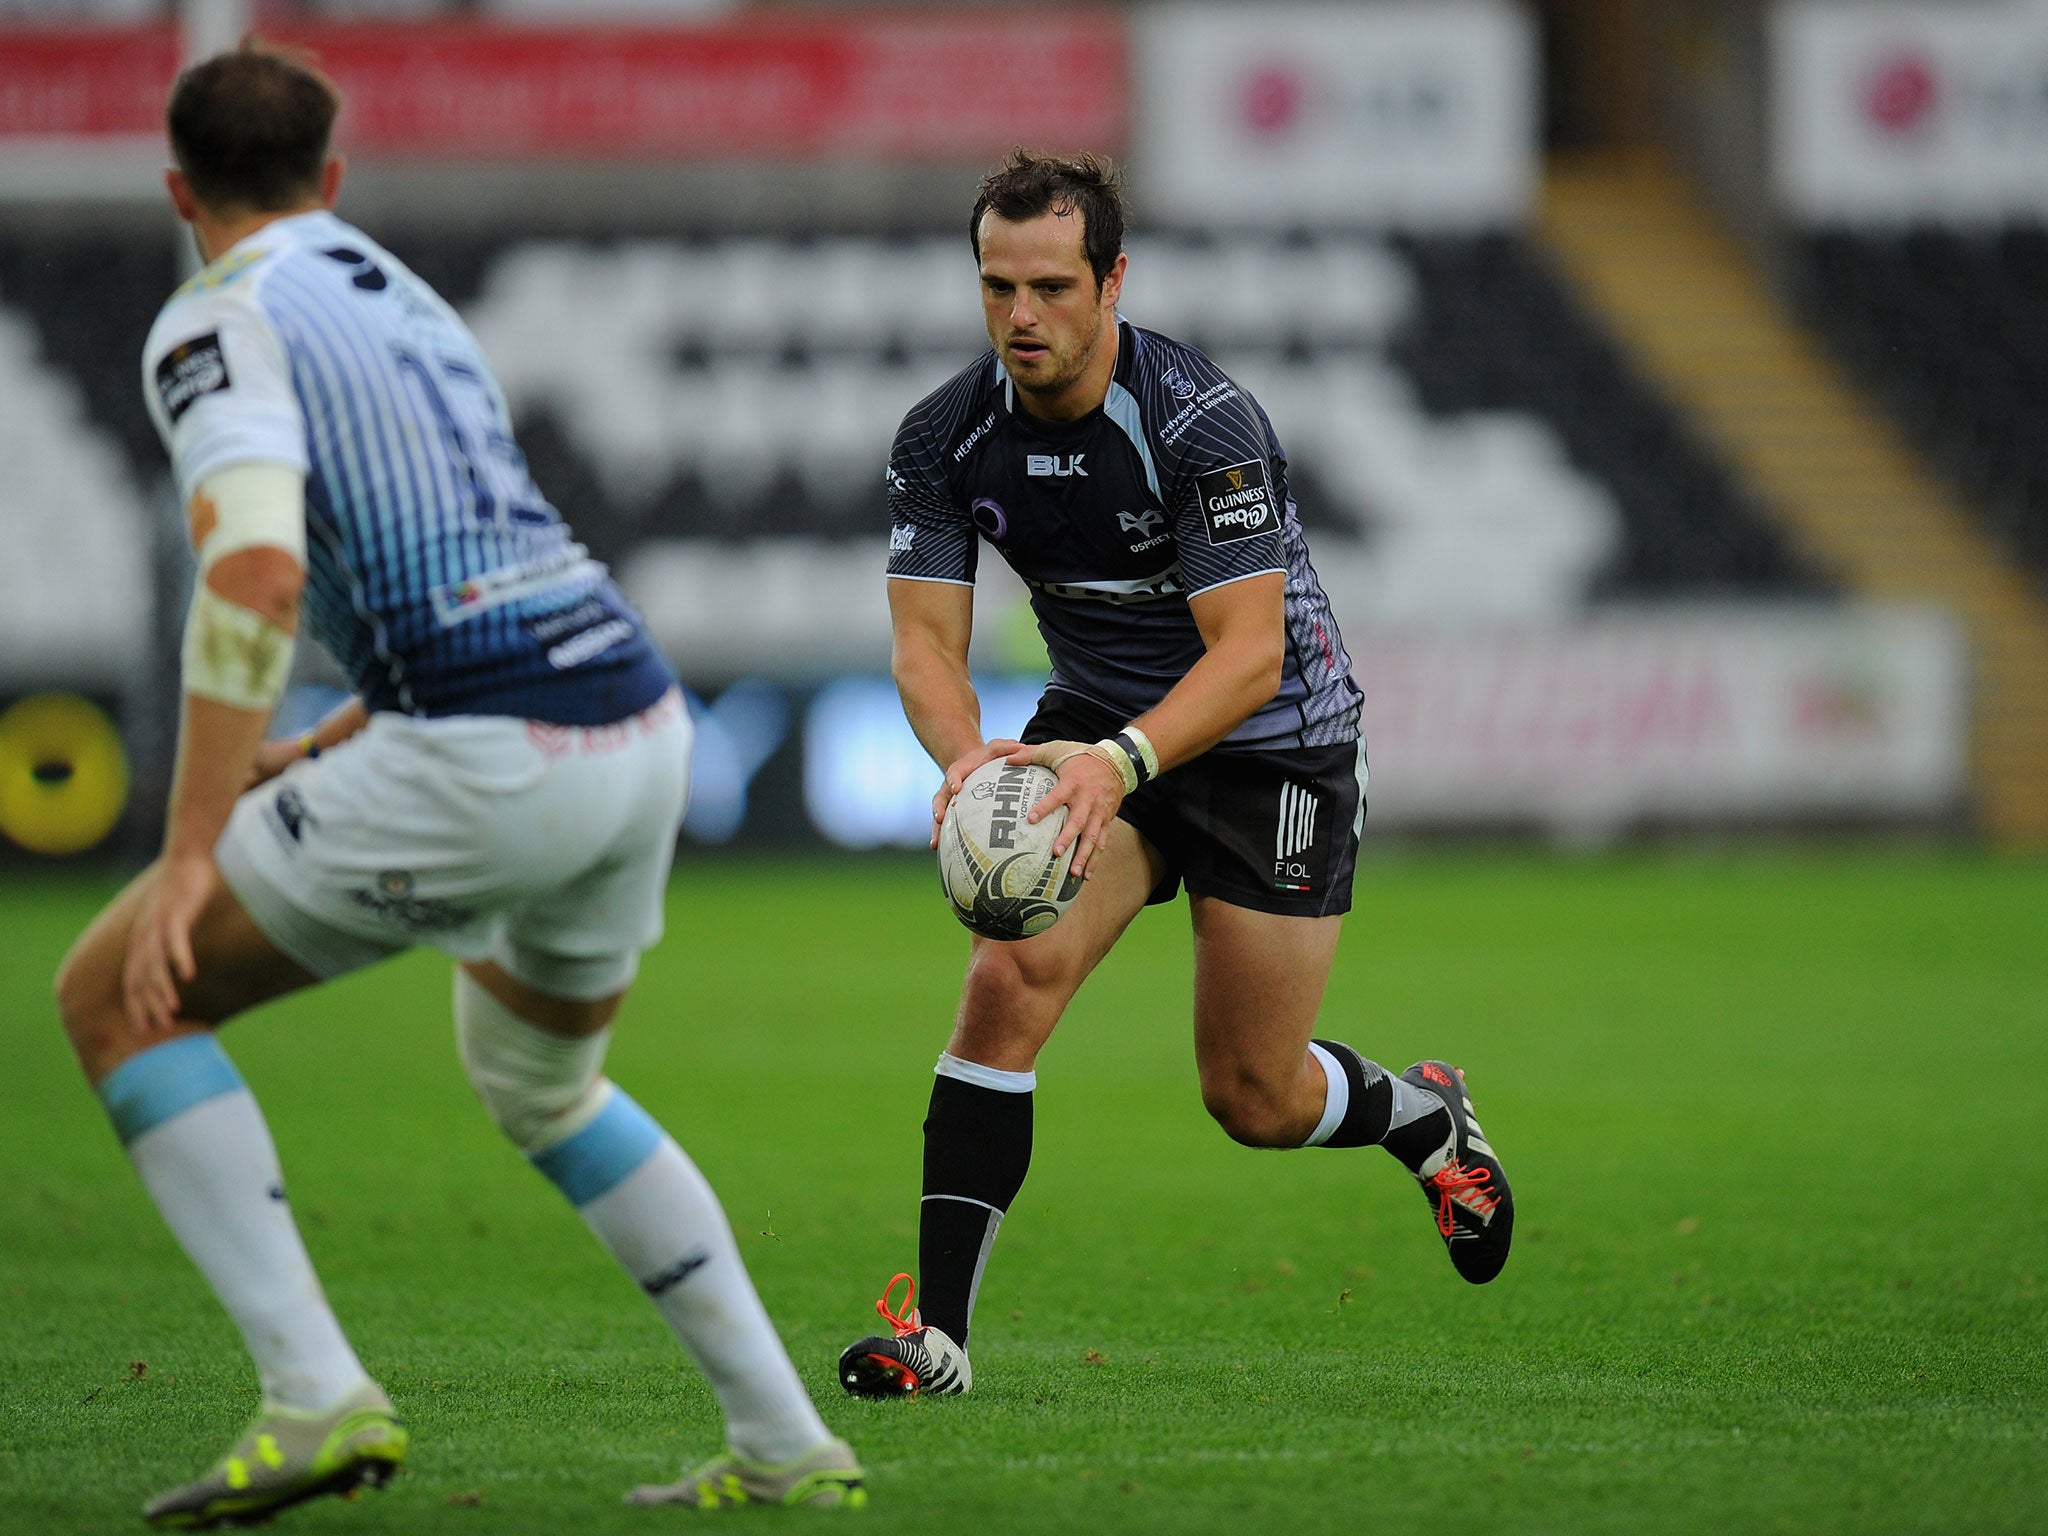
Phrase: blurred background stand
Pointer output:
(1660, 380)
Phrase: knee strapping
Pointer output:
(540, 1088)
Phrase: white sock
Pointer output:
(199, 1142)
(665, 1226)
(648, 1205)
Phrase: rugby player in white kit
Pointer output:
(507, 786)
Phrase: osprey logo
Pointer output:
(1053, 464)
(1139, 523)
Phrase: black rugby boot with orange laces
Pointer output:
(1463, 1181)
(917, 1360)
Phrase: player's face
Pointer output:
(1050, 322)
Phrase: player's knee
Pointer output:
(540, 1088)
(88, 1004)
(1250, 1113)
(1005, 980)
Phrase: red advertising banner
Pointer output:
(925, 87)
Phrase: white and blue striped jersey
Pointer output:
(437, 574)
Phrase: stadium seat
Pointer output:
(1950, 328)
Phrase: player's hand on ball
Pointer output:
(1090, 789)
(956, 775)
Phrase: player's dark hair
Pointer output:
(250, 127)
(1028, 184)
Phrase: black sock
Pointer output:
(1369, 1116)
(1371, 1109)
(977, 1146)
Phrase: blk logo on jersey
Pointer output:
(1236, 502)
(189, 370)
(1298, 859)
(1061, 465)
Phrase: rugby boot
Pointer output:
(287, 1456)
(916, 1361)
(828, 1477)
(1463, 1180)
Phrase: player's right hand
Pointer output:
(956, 775)
(272, 758)
(159, 957)
(1090, 789)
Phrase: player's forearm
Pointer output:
(236, 656)
(938, 700)
(216, 746)
(1221, 691)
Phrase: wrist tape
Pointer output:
(1131, 754)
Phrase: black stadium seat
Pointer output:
(1950, 328)
(1497, 329)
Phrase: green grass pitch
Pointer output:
(1776, 1123)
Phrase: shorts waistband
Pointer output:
(563, 740)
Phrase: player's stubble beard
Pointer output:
(1067, 367)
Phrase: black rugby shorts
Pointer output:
(1269, 830)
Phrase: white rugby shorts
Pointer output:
(544, 848)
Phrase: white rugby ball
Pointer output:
(1000, 874)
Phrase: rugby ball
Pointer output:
(1001, 876)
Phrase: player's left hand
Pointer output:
(1088, 787)
(272, 758)
(160, 943)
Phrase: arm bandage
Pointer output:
(232, 654)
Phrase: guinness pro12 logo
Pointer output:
(1236, 501)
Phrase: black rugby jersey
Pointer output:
(1174, 486)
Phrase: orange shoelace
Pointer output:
(1453, 1181)
(904, 1319)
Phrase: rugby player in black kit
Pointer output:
(1201, 718)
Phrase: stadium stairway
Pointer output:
(1646, 255)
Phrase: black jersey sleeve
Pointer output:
(931, 536)
(1219, 468)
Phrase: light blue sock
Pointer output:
(196, 1137)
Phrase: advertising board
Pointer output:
(1899, 112)
(946, 86)
(1751, 713)
(1416, 113)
